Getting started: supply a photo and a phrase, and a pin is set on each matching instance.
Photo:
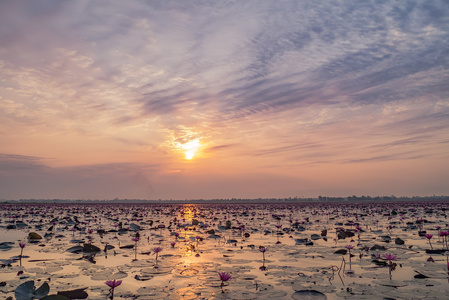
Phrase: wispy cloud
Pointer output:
(263, 82)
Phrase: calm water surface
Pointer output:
(304, 257)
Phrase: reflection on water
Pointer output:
(330, 250)
(188, 212)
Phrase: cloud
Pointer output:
(12, 163)
(220, 147)
(267, 82)
(29, 177)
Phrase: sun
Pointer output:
(191, 148)
(190, 154)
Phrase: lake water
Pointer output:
(313, 250)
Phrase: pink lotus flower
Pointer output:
(389, 256)
(22, 245)
(429, 236)
(224, 276)
(156, 251)
(391, 266)
(113, 283)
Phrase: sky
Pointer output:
(223, 99)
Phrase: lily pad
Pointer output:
(90, 248)
(308, 295)
(6, 246)
(134, 227)
(34, 236)
(75, 294)
(26, 291)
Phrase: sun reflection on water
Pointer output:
(188, 212)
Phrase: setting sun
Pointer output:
(191, 148)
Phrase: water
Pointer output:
(216, 238)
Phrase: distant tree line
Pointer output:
(352, 198)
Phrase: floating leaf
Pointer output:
(308, 295)
(231, 242)
(420, 276)
(34, 236)
(399, 241)
(378, 247)
(435, 251)
(6, 246)
(386, 238)
(134, 227)
(341, 251)
(25, 291)
(143, 277)
(42, 291)
(108, 247)
(75, 249)
(301, 241)
(74, 294)
(90, 248)
(58, 297)
(6, 262)
(342, 234)
(379, 262)
(315, 237)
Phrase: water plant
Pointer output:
(444, 235)
(112, 284)
(198, 239)
(156, 251)
(263, 249)
(22, 245)
(161, 226)
(349, 247)
(27, 291)
(224, 276)
(428, 237)
(390, 258)
(135, 240)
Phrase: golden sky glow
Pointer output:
(241, 99)
(191, 148)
